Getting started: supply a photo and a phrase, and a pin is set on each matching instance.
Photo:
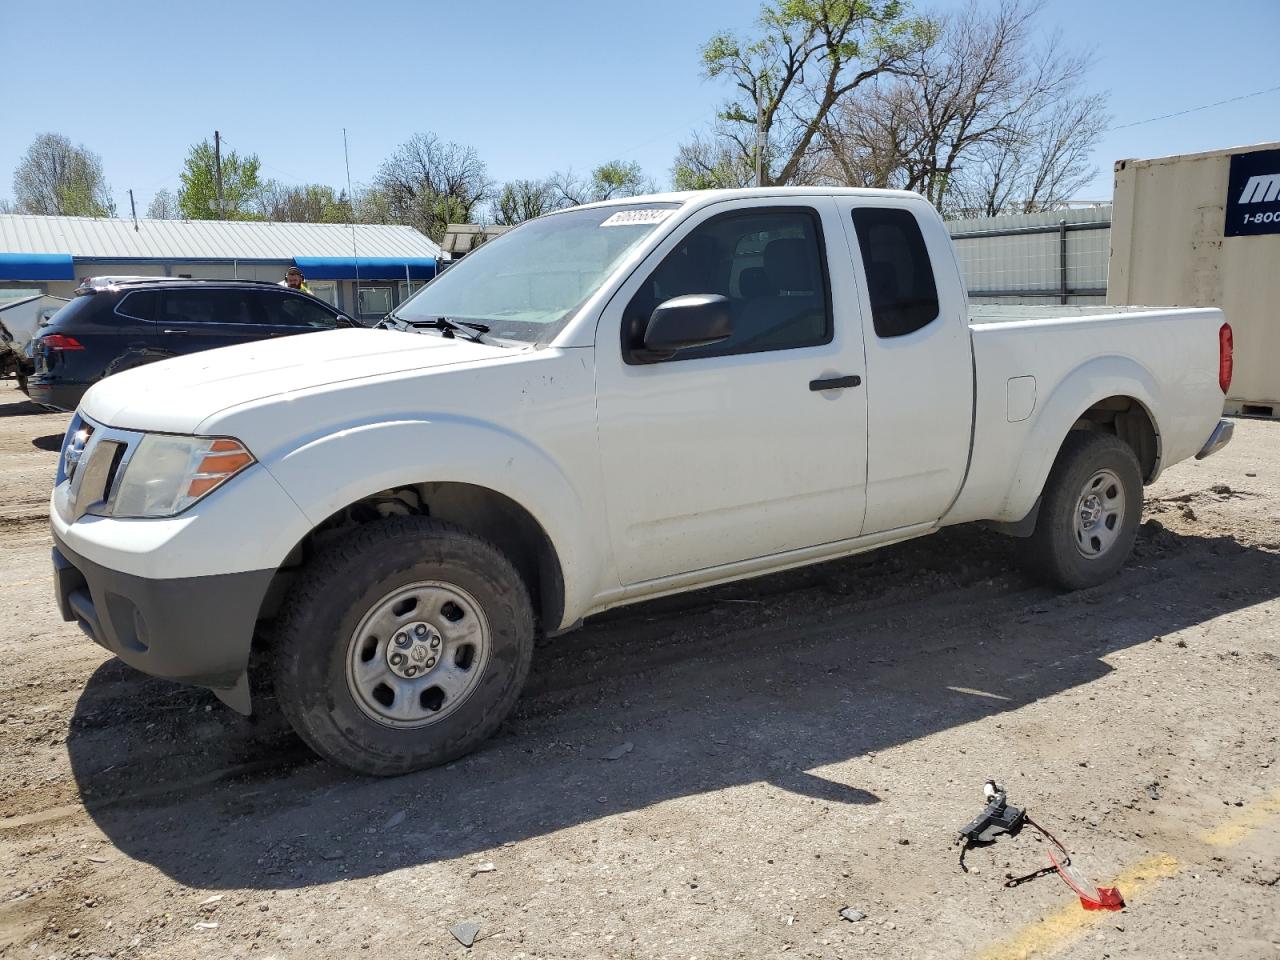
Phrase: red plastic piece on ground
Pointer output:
(1108, 899)
(1091, 897)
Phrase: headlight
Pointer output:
(167, 474)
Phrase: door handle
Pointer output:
(173, 332)
(835, 383)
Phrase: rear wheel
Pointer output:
(404, 646)
(1089, 513)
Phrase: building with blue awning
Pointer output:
(364, 271)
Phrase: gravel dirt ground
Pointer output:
(710, 776)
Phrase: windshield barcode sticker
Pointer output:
(630, 218)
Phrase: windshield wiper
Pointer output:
(448, 327)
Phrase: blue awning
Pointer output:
(36, 266)
(366, 268)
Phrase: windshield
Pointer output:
(527, 284)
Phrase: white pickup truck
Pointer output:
(607, 404)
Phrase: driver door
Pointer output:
(744, 448)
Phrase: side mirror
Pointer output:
(694, 320)
(345, 321)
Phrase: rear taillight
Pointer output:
(1225, 349)
(60, 341)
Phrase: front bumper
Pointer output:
(1220, 437)
(196, 630)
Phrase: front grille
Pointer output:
(94, 459)
(73, 447)
(96, 474)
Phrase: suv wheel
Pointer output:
(404, 646)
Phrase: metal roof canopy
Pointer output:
(367, 268)
(109, 239)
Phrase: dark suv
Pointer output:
(117, 323)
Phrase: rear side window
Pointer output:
(900, 284)
(139, 305)
(284, 310)
(768, 263)
(207, 306)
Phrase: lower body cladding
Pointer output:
(196, 630)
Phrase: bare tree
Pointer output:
(809, 55)
(163, 206)
(706, 163)
(521, 200)
(58, 177)
(429, 184)
(979, 117)
(615, 178)
(305, 203)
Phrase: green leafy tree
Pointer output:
(806, 57)
(58, 177)
(198, 195)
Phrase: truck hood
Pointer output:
(174, 396)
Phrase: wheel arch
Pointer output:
(1108, 394)
(483, 511)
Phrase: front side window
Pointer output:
(900, 284)
(768, 263)
(531, 281)
(294, 311)
(201, 306)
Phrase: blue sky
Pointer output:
(534, 87)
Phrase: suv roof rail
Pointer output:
(94, 284)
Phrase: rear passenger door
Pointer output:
(288, 313)
(919, 360)
(201, 318)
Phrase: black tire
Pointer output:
(345, 582)
(1070, 555)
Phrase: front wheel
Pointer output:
(403, 646)
(1089, 513)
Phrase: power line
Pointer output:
(1182, 113)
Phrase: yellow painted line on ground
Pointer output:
(1242, 824)
(1060, 928)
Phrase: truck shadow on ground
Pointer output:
(761, 681)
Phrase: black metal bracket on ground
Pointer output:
(996, 818)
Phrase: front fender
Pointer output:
(330, 472)
(1087, 384)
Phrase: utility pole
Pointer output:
(134, 210)
(217, 168)
(762, 135)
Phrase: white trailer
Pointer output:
(1203, 230)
